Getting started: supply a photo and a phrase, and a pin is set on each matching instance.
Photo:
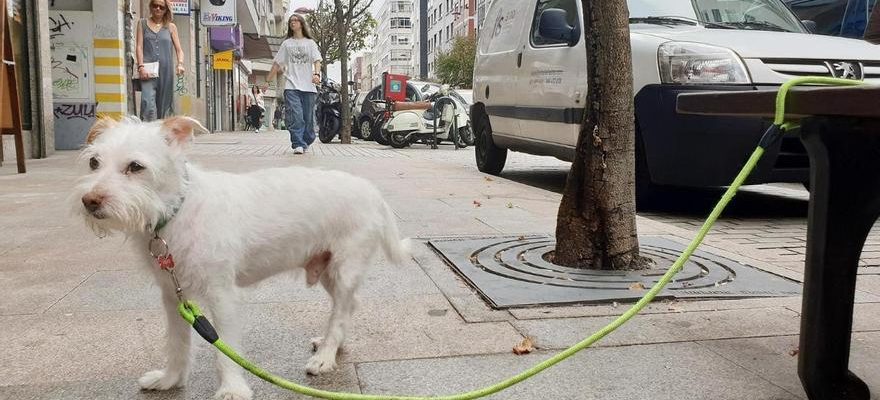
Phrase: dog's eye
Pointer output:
(134, 168)
(94, 163)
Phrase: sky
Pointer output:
(333, 70)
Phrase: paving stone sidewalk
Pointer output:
(81, 319)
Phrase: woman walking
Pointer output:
(300, 59)
(155, 38)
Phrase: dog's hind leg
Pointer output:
(223, 303)
(341, 284)
(177, 345)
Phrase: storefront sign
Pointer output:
(218, 12)
(223, 60)
(179, 7)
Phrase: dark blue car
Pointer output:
(846, 18)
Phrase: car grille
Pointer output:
(810, 67)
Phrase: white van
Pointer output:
(530, 83)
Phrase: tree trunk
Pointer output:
(343, 22)
(596, 224)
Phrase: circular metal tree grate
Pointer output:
(514, 271)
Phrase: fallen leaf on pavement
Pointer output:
(509, 205)
(794, 352)
(477, 203)
(489, 179)
(637, 286)
(521, 238)
(525, 347)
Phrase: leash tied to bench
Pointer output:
(193, 315)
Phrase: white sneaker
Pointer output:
(298, 150)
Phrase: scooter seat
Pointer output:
(411, 105)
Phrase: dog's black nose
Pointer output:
(93, 201)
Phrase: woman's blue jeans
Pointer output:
(300, 117)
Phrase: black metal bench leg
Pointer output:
(844, 203)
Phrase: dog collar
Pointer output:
(164, 221)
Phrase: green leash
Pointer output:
(191, 313)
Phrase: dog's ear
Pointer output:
(101, 124)
(180, 129)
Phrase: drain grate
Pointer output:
(512, 272)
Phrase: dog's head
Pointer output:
(135, 173)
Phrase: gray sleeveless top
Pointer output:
(159, 47)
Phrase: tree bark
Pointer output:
(596, 224)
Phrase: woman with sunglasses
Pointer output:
(155, 39)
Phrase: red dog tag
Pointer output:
(166, 262)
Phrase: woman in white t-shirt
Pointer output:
(300, 60)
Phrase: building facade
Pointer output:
(446, 20)
(75, 61)
(393, 50)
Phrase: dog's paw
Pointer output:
(317, 342)
(238, 391)
(160, 380)
(318, 365)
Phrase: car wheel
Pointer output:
(366, 128)
(490, 158)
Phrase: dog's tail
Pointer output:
(396, 250)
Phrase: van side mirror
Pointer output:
(554, 26)
(810, 25)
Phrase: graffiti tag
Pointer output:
(59, 26)
(180, 87)
(75, 111)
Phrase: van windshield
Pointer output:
(766, 15)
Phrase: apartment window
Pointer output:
(404, 40)
(400, 22)
(401, 7)
(401, 55)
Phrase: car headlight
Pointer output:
(695, 63)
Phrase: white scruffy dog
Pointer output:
(228, 230)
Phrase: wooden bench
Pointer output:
(841, 132)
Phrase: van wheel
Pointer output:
(490, 158)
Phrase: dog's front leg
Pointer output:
(223, 306)
(177, 344)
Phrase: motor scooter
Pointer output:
(429, 122)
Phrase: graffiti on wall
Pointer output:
(70, 72)
(72, 40)
(72, 124)
(84, 111)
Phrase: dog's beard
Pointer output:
(133, 210)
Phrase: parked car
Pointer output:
(847, 18)
(356, 106)
(530, 83)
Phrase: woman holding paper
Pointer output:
(155, 67)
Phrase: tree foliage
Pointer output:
(323, 22)
(456, 67)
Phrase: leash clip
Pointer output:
(159, 250)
